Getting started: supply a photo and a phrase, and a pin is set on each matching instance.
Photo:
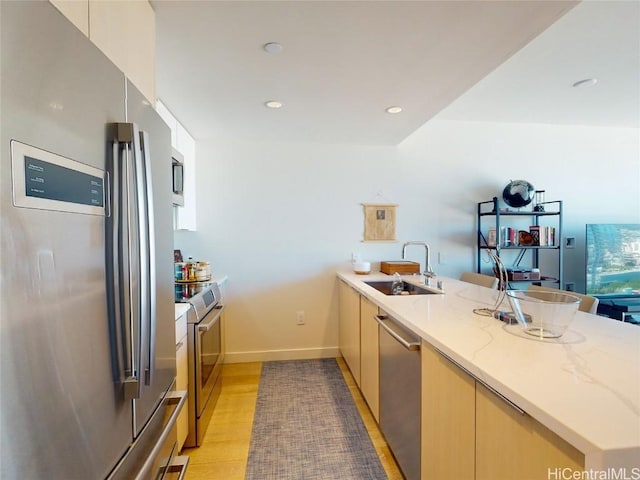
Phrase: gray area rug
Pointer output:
(307, 426)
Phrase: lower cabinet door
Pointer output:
(511, 444)
(349, 329)
(369, 356)
(182, 377)
(448, 419)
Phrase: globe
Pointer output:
(518, 193)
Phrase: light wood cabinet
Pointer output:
(182, 377)
(349, 328)
(124, 31)
(448, 419)
(510, 444)
(470, 432)
(369, 356)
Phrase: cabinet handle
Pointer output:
(481, 382)
(179, 346)
(502, 397)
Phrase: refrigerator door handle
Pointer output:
(141, 243)
(127, 278)
(118, 268)
(147, 225)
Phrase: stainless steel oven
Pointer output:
(204, 337)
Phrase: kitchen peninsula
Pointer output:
(583, 388)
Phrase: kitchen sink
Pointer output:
(385, 286)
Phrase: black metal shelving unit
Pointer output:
(491, 210)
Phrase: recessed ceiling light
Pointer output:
(393, 109)
(273, 104)
(272, 47)
(587, 82)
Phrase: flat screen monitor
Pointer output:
(613, 260)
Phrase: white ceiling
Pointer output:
(597, 39)
(344, 62)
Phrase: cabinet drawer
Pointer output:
(181, 327)
(182, 366)
(182, 382)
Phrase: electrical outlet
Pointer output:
(570, 287)
(300, 317)
(442, 258)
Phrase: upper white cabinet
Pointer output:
(77, 11)
(124, 31)
(183, 142)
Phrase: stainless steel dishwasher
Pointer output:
(400, 393)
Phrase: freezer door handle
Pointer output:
(160, 431)
(381, 319)
(177, 398)
(147, 241)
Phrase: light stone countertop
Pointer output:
(181, 309)
(584, 386)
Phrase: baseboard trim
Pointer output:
(271, 355)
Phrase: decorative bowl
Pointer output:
(543, 314)
(362, 268)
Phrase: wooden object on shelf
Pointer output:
(402, 267)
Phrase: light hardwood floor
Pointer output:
(225, 449)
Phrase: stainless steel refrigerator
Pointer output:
(87, 317)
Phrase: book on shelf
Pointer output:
(508, 236)
(492, 239)
(542, 235)
(534, 230)
(538, 235)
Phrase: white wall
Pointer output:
(280, 219)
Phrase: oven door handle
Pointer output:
(209, 325)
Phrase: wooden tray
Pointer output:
(402, 267)
(194, 281)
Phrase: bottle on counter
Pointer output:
(185, 271)
(179, 268)
(191, 269)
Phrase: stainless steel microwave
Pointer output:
(177, 161)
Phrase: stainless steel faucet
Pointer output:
(428, 271)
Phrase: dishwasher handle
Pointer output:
(412, 346)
